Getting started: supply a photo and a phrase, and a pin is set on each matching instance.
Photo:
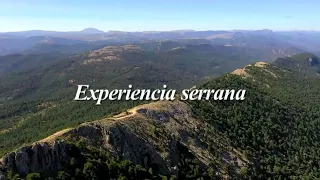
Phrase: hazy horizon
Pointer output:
(165, 15)
(174, 30)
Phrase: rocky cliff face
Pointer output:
(313, 61)
(39, 157)
(2, 174)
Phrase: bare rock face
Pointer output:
(159, 117)
(22, 161)
(134, 148)
(8, 161)
(39, 157)
(2, 175)
(174, 154)
(313, 61)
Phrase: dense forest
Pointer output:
(277, 124)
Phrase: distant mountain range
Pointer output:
(33, 41)
(192, 54)
(51, 33)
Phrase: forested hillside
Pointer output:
(39, 95)
(272, 134)
(305, 63)
(276, 125)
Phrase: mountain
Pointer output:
(307, 40)
(91, 31)
(29, 33)
(50, 33)
(61, 47)
(271, 134)
(305, 63)
(32, 84)
(23, 44)
(19, 62)
(278, 43)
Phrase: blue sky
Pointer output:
(144, 15)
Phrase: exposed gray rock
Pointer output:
(37, 158)
(174, 155)
(159, 117)
(2, 175)
(313, 61)
(9, 161)
(22, 160)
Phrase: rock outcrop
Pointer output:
(39, 157)
(313, 61)
(2, 174)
